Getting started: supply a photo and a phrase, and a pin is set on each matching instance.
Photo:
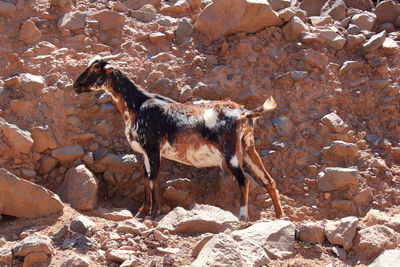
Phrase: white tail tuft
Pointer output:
(269, 104)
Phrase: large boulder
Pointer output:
(22, 198)
(33, 244)
(333, 178)
(230, 16)
(387, 11)
(17, 138)
(200, 219)
(80, 188)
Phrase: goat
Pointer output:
(201, 134)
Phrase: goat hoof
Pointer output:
(285, 218)
(243, 218)
(142, 213)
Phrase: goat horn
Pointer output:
(113, 57)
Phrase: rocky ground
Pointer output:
(69, 183)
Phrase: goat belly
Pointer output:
(197, 154)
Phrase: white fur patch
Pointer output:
(234, 161)
(205, 156)
(151, 185)
(210, 118)
(201, 102)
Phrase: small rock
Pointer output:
(33, 244)
(185, 94)
(60, 234)
(80, 188)
(7, 9)
(157, 37)
(288, 13)
(175, 195)
(334, 123)
(103, 128)
(283, 125)
(184, 31)
(373, 240)
(372, 44)
(75, 261)
(333, 39)
(32, 83)
(73, 21)
(390, 47)
(131, 226)
(364, 20)
(342, 232)
(29, 34)
(34, 258)
(110, 20)
(333, 178)
(354, 41)
(120, 255)
(82, 224)
(335, 9)
(143, 16)
(114, 214)
(351, 65)
(341, 151)
(315, 58)
(43, 138)
(68, 153)
(47, 164)
(136, 4)
(312, 232)
(294, 28)
(158, 236)
(168, 250)
(19, 139)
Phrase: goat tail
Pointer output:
(269, 105)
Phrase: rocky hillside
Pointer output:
(69, 182)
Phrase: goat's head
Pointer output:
(95, 75)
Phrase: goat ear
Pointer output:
(108, 68)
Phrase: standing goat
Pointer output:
(200, 134)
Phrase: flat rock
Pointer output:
(312, 232)
(373, 240)
(118, 163)
(184, 31)
(114, 214)
(24, 199)
(73, 21)
(33, 244)
(79, 188)
(355, 40)
(143, 16)
(17, 138)
(131, 226)
(389, 258)
(341, 151)
(110, 20)
(377, 217)
(29, 33)
(372, 44)
(22, 106)
(34, 258)
(342, 232)
(349, 66)
(334, 123)
(120, 255)
(43, 138)
(75, 261)
(200, 219)
(228, 17)
(333, 178)
(68, 153)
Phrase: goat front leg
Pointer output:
(145, 209)
(154, 158)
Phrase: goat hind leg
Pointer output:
(252, 158)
